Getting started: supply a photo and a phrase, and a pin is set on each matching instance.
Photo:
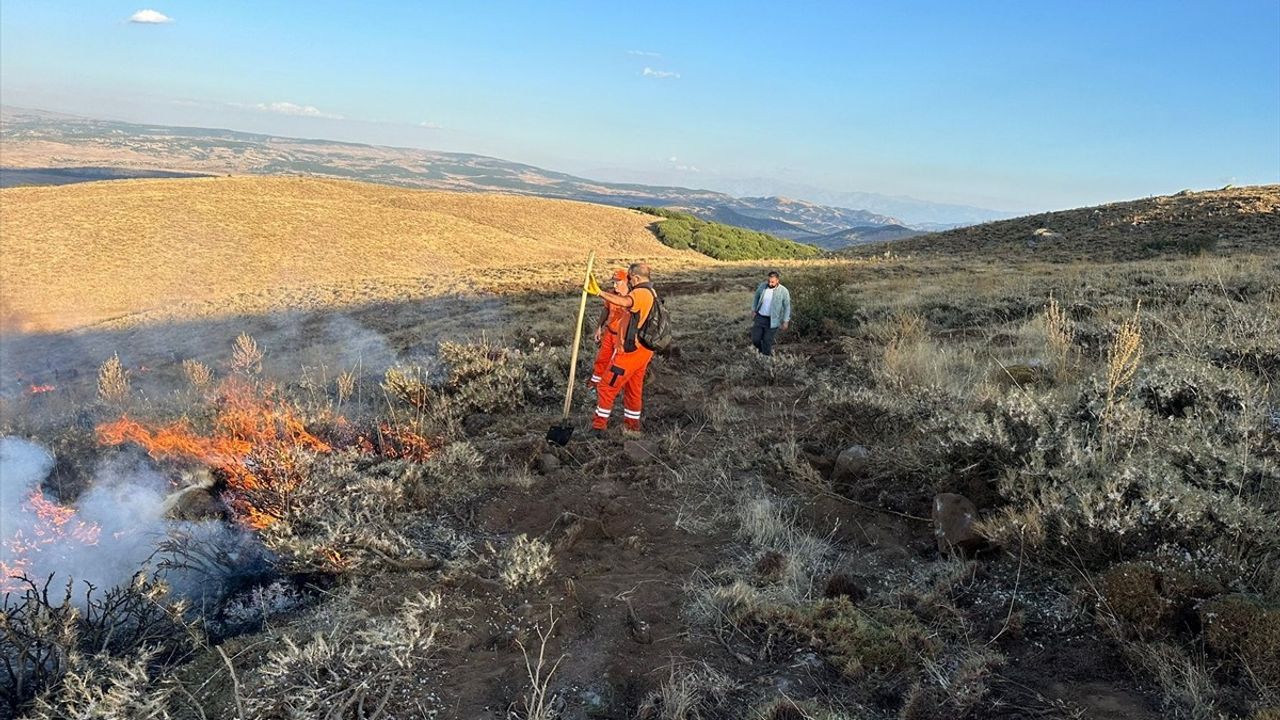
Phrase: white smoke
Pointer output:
(126, 504)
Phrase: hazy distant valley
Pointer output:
(42, 148)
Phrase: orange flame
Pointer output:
(253, 442)
(52, 523)
(39, 389)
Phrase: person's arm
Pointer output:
(616, 299)
(786, 310)
(755, 303)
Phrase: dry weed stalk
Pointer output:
(346, 387)
(1060, 335)
(1122, 360)
(539, 703)
(198, 374)
(246, 357)
(113, 383)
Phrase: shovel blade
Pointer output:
(560, 434)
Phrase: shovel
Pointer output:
(563, 430)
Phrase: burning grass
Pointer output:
(253, 444)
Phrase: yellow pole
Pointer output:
(577, 339)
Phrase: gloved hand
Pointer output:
(591, 287)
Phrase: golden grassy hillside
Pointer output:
(82, 254)
(1244, 218)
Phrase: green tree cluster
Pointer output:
(723, 242)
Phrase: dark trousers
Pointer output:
(762, 334)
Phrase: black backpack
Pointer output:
(655, 333)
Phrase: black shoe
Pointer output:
(596, 434)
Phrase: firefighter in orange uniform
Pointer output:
(612, 318)
(625, 373)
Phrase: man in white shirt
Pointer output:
(770, 311)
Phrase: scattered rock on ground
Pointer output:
(851, 462)
(548, 463)
(953, 524)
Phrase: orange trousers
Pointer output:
(604, 356)
(625, 374)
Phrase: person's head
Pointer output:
(620, 282)
(774, 278)
(638, 273)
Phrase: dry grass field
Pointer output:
(766, 551)
(77, 256)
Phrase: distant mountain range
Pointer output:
(51, 148)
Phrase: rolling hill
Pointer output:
(34, 141)
(80, 254)
(863, 234)
(1186, 223)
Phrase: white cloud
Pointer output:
(660, 74)
(673, 159)
(428, 125)
(150, 17)
(643, 53)
(288, 108)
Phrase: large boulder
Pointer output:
(954, 521)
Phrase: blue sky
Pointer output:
(1007, 105)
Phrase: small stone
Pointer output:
(548, 463)
(954, 517)
(851, 463)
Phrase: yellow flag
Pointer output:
(591, 287)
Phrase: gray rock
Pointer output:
(954, 517)
(851, 462)
(548, 463)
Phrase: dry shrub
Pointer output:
(855, 641)
(802, 558)
(78, 655)
(526, 562)
(696, 693)
(97, 687)
(954, 686)
(359, 668)
(1244, 631)
(1186, 683)
(481, 377)
(113, 382)
(246, 356)
(411, 386)
(348, 517)
(198, 375)
(1152, 601)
